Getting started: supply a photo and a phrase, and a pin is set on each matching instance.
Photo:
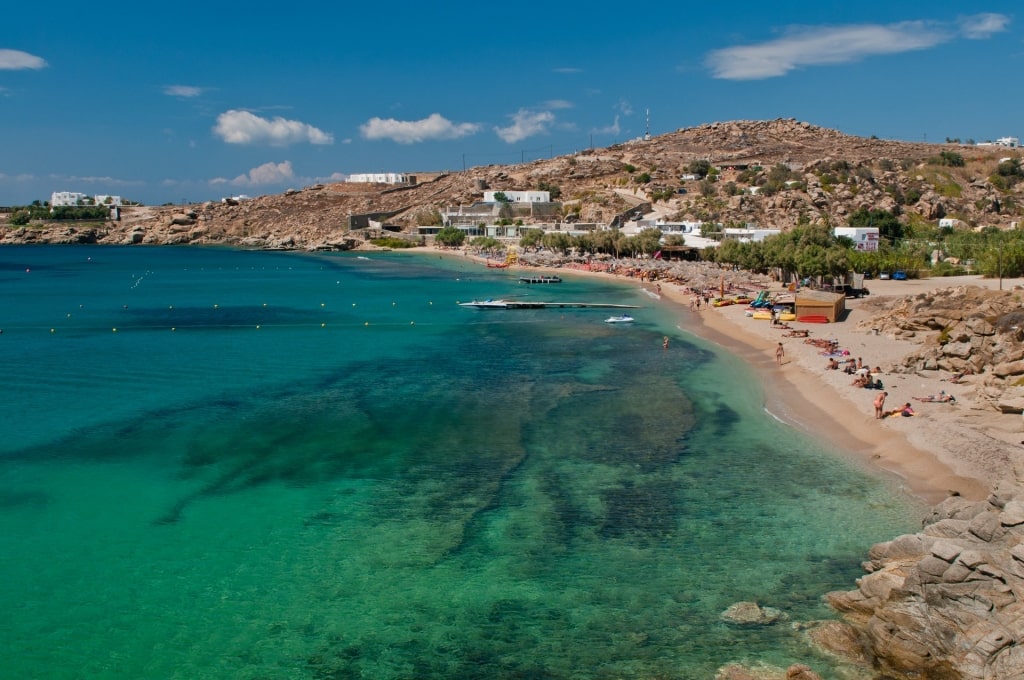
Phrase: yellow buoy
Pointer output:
(113, 330)
(216, 306)
(52, 330)
(412, 323)
(173, 328)
(257, 326)
(321, 304)
(323, 325)
(366, 323)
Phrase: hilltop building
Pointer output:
(1008, 142)
(379, 178)
(519, 196)
(74, 198)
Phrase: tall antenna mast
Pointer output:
(647, 133)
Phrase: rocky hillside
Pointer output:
(827, 176)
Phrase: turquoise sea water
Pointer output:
(287, 465)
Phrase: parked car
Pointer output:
(884, 276)
(899, 276)
(849, 291)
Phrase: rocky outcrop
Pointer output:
(966, 330)
(947, 602)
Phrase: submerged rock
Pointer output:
(751, 614)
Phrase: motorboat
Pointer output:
(622, 318)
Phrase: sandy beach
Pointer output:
(945, 449)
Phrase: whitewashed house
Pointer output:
(864, 238)
(519, 196)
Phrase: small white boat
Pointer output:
(622, 318)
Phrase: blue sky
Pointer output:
(195, 101)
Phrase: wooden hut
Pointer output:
(820, 303)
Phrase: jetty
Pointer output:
(524, 304)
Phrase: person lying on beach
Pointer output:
(904, 411)
(957, 377)
(943, 398)
(796, 334)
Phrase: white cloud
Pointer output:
(567, 69)
(92, 179)
(808, 46)
(557, 104)
(815, 45)
(625, 107)
(242, 127)
(435, 126)
(981, 26)
(268, 173)
(184, 91)
(16, 60)
(526, 123)
(612, 129)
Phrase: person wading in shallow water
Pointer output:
(664, 343)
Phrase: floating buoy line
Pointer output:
(78, 328)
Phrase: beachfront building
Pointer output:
(864, 238)
(748, 234)
(519, 196)
(378, 178)
(684, 228)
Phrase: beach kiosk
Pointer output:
(814, 304)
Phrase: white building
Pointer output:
(1008, 142)
(864, 238)
(519, 196)
(103, 199)
(58, 198)
(379, 178)
(749, 235)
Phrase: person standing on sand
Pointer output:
(880, 404)
(780, 352)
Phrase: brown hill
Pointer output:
(827, 175)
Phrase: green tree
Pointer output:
(20, 218)
(531, 238)
(451, 237)
(500, 197)
(700, 168)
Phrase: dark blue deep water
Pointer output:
(224, 464)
